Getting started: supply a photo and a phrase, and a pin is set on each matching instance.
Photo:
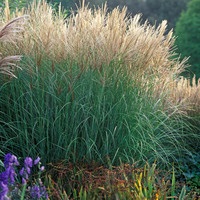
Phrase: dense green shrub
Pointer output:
(188, 33)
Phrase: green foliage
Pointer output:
(183, 193)
(188, 36)
(67, 113)
(1, 162)
(190, 170)
(13, 4)
(67, 4)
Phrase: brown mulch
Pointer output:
(102, 180)
(95, 177)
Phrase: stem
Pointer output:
(23, 192)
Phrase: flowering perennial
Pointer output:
(8, 185)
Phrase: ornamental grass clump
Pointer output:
(93, 85)
(10, 186)
(87, 115)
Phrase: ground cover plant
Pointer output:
(96, 87)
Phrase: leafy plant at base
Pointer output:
(125, 182)
(190, 171)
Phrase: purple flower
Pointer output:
(4, 177)
(10, 160)
(28, 162)
(21, 172)
(3, 190)
(24, 181)
(38, 192)
(8, 176)
(11, 174)
(35, 192)
(26, 170)
(37, 160)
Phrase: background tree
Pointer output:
(67, 4)
(153, 10)
(188, 33)
(13, 4)
(158, 10)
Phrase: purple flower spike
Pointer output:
(23, 181)
(11, 174)
(10, 160)
(35, 192)
(28, 170)
(37, 160)
(21, 172)
(7, 159)
(3, 190)
(4, 177)
(28, 162)
(38, 192)
(7, 178)
(14, 160)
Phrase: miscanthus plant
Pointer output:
(63, 112)
(21, 188)
(95, 85)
